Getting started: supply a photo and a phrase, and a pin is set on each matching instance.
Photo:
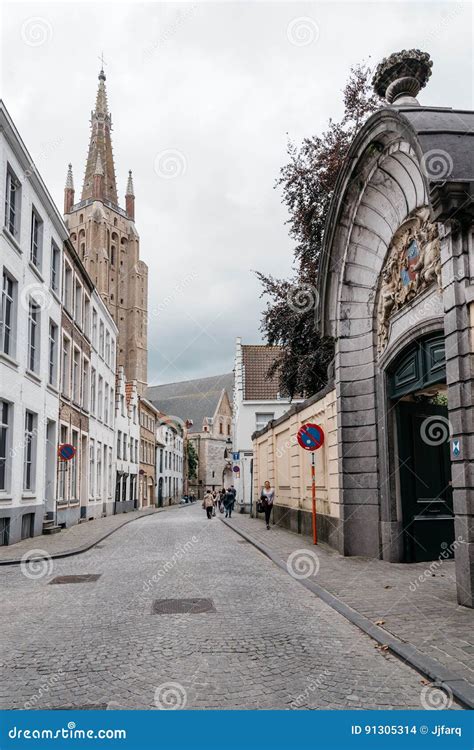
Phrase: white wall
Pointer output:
(20, 388)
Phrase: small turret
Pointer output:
(69, 191)
(98, 191)
(130, 198)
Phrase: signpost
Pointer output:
(311, 437)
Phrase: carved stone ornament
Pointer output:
(400, 77)
(413, 263)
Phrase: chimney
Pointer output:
(69, 191)
(130, 198)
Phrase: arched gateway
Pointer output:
(397, 294)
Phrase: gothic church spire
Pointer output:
(100, 149)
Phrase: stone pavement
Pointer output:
(266, 642)
(416, 603)
(72, 540)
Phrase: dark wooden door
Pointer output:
(425, 481)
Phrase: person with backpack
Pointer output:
(208, 503)
(267, 497)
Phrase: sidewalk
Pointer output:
(411, 608)
(71, 541)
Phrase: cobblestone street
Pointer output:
(266, 643)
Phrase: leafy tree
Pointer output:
(192, 460)
(307, 182)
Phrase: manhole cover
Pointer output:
(85, 578)
(182, 606)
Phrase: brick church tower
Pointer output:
(106, 240)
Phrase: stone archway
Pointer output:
(386, 198)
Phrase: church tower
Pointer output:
(107, 242)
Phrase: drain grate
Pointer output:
(85, 578)
(182, 606)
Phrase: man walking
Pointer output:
(228, 502)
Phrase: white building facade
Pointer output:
(102, 435)
(256, 402)
(31, 240)
(169, 461)
(127, 430)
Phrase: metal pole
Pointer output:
(313, 489)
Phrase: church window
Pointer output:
(112, 255)
(81, 218)
(83, 250)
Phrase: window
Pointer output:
(66, 365)
(93, 390)
(55, 261)
(110, 472)
(119, 444)
(91, 469)
(53, 354)
(87, 316)
(122, 404)
(228, 429)
(100, 398)
(112, 354)
(76, 376)
(67, 290)
(106, 404)
(33, 336)
(107, 347)
(221, 428)
(124, 445)
(78, 305)
(36, 240)
(94, 327)
(85, 385)
(30, 452)
(12, 204)
(74, 467)
(98, 489)
(262, 419)
(7, 323)
(112, 409)
(101, 339)
(5, 428)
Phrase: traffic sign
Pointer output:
(310, 436)
(236, 456)
(236, 469)
(66, 451)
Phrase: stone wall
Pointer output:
(279, 458)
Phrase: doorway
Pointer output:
(418, 390)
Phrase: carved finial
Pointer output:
(69, 179)
(130, 184)
(400, 77)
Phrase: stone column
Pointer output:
(453, 207)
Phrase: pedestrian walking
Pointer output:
(229, 501)
(221, 500)
(214, 500)
(267, 497)
(208, 503)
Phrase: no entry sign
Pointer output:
(310, 436)
(66, 451)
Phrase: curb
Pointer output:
(85, 547)
(459, 687)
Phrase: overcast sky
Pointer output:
(203, 98)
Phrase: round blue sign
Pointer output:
(66, 451)
(310, 436)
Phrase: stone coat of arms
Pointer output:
(413, 263)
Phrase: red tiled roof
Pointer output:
(257, 360)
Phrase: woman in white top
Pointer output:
(267, 497)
